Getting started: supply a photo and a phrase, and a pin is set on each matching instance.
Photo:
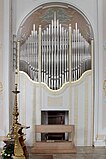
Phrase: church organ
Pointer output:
(65, 54)
(56, 69)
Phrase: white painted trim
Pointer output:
(98, 72)
(64, 86)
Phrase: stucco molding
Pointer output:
(1, 87)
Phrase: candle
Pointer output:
(16, 76)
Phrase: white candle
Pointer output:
(18, 53)
(16, 76)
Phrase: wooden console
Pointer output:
(52, 146)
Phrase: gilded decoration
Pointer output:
(15, 147)
(1, 87)
(104, 87)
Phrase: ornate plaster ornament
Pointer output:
(104, 87)
(1, 87)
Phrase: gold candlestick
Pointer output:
(20, 151)
(15, 110)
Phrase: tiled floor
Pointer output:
(82, 153)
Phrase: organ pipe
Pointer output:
(55, 55)
(58, 53)
(49, 50)
(39, 54)
(52, 62)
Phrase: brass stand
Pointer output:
(16, 136)
(20, 151)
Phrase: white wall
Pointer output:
(6, 51)
(1, 68)
(4, 66)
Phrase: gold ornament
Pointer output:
(18, 150)
(1, 87)
(104, 86)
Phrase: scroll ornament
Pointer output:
(1, 87)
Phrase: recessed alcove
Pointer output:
(56, 72)
(54, 118)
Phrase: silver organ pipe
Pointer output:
(78, 55)
(36, 56)
(55, 52)
(30, 49)
(58, 62)
(42, 59)
(52, 59)
(47, 52)
(81, 56)
(39, 54)
(70, 53)
(29, 55)
(74, 54)
(44, 56)
(60, 57)
(65, 54)
(49, 60)
(67, 61)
